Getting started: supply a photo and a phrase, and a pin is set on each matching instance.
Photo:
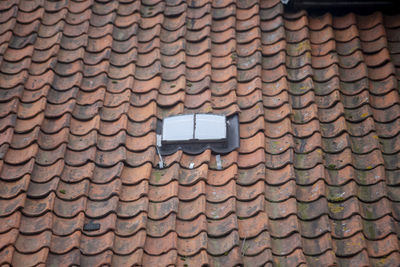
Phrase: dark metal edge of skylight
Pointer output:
(194, 147)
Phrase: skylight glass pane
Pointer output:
(178, 128)
(210, 127)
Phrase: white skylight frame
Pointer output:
(194, 128)
(178, 128)
(210, 127)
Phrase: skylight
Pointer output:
(210, 127)
(178, 128)
(194, 127)
(194, 133)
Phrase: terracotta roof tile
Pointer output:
(313, 181)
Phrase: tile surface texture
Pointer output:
(316, 180)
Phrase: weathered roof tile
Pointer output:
(84, 83)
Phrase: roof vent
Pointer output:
(194, 133)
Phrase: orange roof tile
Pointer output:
(314, 181)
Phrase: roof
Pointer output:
(315, 180)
